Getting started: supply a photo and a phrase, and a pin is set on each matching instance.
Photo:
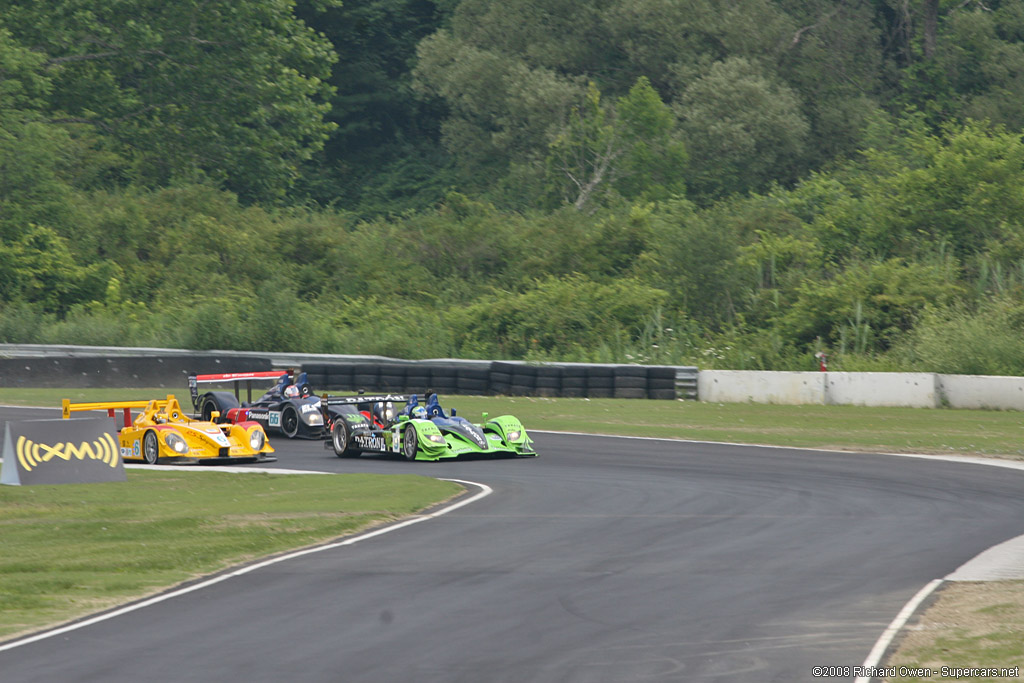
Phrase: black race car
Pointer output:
(289, 408)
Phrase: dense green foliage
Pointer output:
(673, 181)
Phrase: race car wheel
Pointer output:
(209, 405)
(339, 439)
(150, 448)
(410, 443)
(289, 421)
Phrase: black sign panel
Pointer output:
(60, 452)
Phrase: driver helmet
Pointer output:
(419, 413)
(291, 391)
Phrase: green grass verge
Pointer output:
(970, 626)
(895, 430)
(74, 549)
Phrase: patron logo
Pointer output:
(60, 452)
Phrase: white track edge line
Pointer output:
(485, 491)
(885, 640)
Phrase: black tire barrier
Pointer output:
(662, 394)
(468, 385)
(473, 373)
(574, 383)
(163, 371)
(417, 383)
(506, 378)
(391, 378)
(630, 382)
(339, 378)
(317, 380)
(630, 371)
(317, 368)
(364, 382)
(443, 379)
(522, 390)
(661, 372)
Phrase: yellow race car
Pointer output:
(162, 432)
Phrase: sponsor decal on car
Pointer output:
(310, 408)
(259, 415)
(370, 442)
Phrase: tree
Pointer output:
(385, 154)
(630, 149)
(743, 129)
(229, 90)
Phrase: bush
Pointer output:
(960, 341)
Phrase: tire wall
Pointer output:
(157, 371)
(503, 378)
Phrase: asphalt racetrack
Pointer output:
(604, 560)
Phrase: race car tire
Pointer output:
(410, 442)
(289, 421)
(221, 401)
(150, 448)
(206, 411)
(339, 440)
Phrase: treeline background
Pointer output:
(731, 184)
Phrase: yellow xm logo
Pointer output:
(32, 455)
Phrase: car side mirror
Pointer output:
(214, 415)
(453, 412)
(484, 418)
(403, 418)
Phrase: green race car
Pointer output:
(369, 424)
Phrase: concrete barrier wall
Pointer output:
(981, 391)
(895, 389)
(743, 386)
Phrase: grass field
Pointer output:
(74, 549)
(968, 625)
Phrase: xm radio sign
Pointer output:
(60, 452)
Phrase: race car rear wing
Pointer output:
(362, 398)
(235, 378)
(67, 407)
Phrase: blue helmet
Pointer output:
(419, 413)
